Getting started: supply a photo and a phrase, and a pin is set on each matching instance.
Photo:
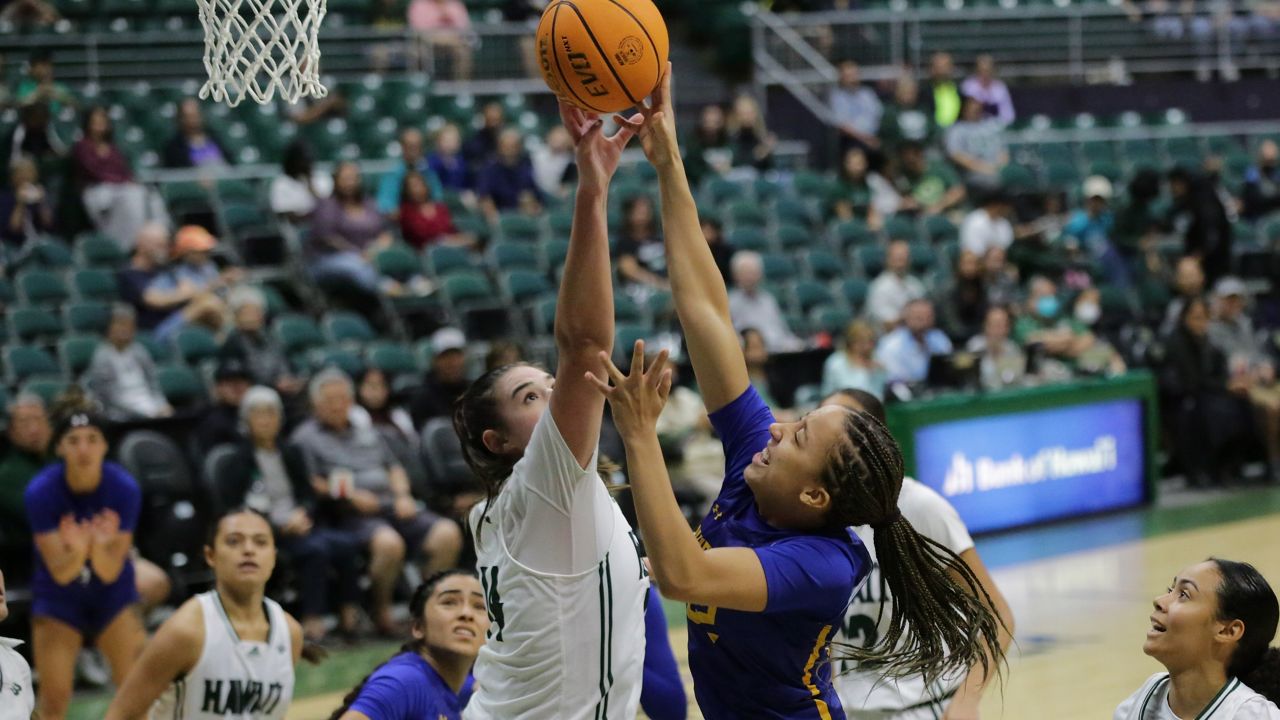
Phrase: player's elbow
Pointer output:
(581, 341)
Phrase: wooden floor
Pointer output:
(1081, 619)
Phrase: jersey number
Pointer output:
(862, 631)
(493, 601)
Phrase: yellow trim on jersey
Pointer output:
(823, 712)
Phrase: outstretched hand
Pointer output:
(597, 154)
(637, 399)
(655, 123)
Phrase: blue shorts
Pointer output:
(87, 607)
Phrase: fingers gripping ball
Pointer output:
(602, 55)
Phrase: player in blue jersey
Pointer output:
(769, 572)
(431, 677)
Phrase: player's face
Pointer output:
(1184, 624)
(244, 551)
(786, 476)
(523, 393)
(454, 618)
(83, 448)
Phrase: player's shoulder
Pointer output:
(918, 498)
(185, 627)
(119, 477)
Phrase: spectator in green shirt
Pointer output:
(905, 117)
(1065, 342)
(925, 189)
(40, 86)
(29, 433)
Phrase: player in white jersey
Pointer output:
(1211, 630)
(870, 695)
(15, 674)
(225, 654)
(563, 581)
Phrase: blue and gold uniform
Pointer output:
(770, 664)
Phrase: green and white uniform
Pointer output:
(1235, 701)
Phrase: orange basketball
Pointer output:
(602, 55)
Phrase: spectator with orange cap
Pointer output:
(190, 288)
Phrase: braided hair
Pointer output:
(1243, 594)
(417, 607)
(951, 622)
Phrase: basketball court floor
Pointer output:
(1081, 593)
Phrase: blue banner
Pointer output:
(1010, 470)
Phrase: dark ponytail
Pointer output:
(952, 624)
(1245, 595)
(417, 605)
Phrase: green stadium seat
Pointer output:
(468, 290)
(794, 212)
(49, 254)
(159, 352)
(660, 304)
(1106, 169)
(544, 315)
(41, 287)
(391, 358)
(445, 259)
(397, 262)
(95, 284)
(239, 217)
(1018, 178)
(518, 228)
(1062, 175)
(237, 191)
(719, 191)
(554, 252)
(75, 352)
(89, 316)
(513, 256)
(938, 228)
(181, 385)
(23, 361)
(625, 309)
(854, 291)
(870, 258)
(749, 238)
(1098, 151)
(901, 227)
(561, 223)
(348, 360)
(746, 213)
(297, 335)
(195, 345)
(624, 340)
(853, 232)
(29, 324)
(807, 184)
(7, 294)
(524, 286)
(48, 388)
(810, 294)
(1139, 152)
(832, 320)
(778, 267)
(823, 264)
(346, 327)
(794, 237)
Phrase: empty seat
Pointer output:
(95, 284)
(340, 327)
(41, 287)
(195, 345)
(22, 362)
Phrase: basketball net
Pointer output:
(255, 48)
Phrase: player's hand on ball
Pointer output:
(597, 154)
(656, 123)
(637, 399)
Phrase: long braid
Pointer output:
(938, 625)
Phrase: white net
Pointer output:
(254, 48)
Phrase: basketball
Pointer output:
(602, 55)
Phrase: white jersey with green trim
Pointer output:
(233, 679)
(1235, 701)
(565, 590)
(870, 612)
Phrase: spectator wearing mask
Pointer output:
(751, 306)
(295, 193)
(483, 143)
(553, 163)
(116, 203)
(1062, 338)
(1188, 283)
(1262, 182)
(893, 288)
(974, 143)
(445, 381)
(708, 150)
(1092, 228)
(190, 287)
(447, 162)
(250, 345)
(751, 141)
(506, 181)
(859, 193)
(28, 433)
(1232, 333)
(122, 375)
(1001, 363)
(194, 145)
(445, 25)
(1209, 407)
(989, 90)
(964, 298)
(988, 226)
(1098, 356)
(412, 160)
(925, 189)
(424, 220)
(275, 481)
(40, 86)
(642, 258)
(905, 352)
(221, 422)
(853, 365)
(150, 254)
(346, 231)
(944, 94)
(1199, 216)
(380, 508)
(856, 110)
(25, 209)
(906, 119)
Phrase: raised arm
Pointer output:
(584, 310)
(702, 302)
